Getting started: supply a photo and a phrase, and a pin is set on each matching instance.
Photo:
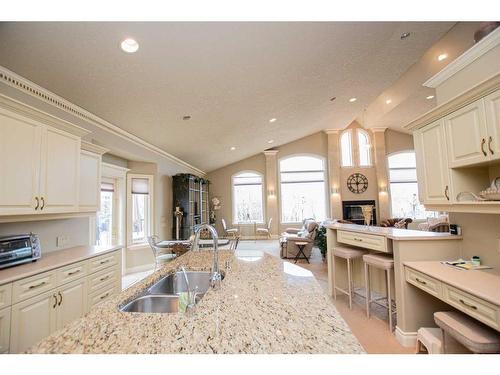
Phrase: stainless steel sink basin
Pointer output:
(153, 304)
(175, 283)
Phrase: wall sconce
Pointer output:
(271, 193)
(382, 190)
(334, 190)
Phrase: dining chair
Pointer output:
(159, 254)
(229, 231)
(266, 231)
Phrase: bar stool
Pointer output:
(347, 253)
(386, 263)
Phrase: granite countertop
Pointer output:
(264, 305)
(484, 284)
(53, 260)
(395, 233)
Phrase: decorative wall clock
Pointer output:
(357, 183)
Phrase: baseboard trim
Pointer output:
(141, 268)
(407, 339)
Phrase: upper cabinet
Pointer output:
(467, 136)
(90, 177)
(432, 166)
(492, 109)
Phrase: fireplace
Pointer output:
(352, 211)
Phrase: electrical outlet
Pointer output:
(60, 241)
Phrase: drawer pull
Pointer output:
(358, 239)
(104, 295)
(37, 285)
(73, 273)
(55, 301)
(60, 301)
(104, 278)
(420, 281)
(104, 261)
(468, 304)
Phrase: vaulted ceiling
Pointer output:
(231, 78)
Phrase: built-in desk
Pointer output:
(406, 246)
(474, 292)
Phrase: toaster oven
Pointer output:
(19, 249)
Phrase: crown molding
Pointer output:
(331, 131)
(486, 44)
(270, 152)
(378, 129)
(91, 147)
(26, 86)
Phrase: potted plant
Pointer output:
(320, 240)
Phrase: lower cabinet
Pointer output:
(4, 330)
(72, 302)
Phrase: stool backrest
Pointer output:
(224, 226)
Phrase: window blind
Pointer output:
(140, 186)
(107, 186)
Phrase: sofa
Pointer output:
(391, 222)
(291, 236)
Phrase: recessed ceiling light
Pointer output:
(129, 45)
(352, 100)
(272, 120)
(405, 35)
(430, 97)
(233, 148)
(333, 98)
(270, 141)
(442, 56)
(185, 118)
(388, 101)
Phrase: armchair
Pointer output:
(288, 241)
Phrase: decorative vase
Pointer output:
(367, 211)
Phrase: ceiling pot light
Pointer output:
(272, 120)
(129, 45)
(270, 141)
(352, 100)
(442, 56)
(430, 97)
(233, 148)
(185, 118)
(388, 101)
(405, 35)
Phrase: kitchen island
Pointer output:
(405, 245)
(264, 305)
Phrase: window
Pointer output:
(303, 193)
(104, 230)
(140, 213)
(247, 198)
(404, 187)
(346, 149)
(364, 148)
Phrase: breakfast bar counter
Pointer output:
(264, 305)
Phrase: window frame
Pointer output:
(325, 182)
(349, 133)
(233, 201)
(115, 208)
(358, 148)
(150, 211)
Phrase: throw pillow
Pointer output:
(401, 224)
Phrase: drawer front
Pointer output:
(102, 295)
(426, 283)
(71, 273)
(102, 278)
(33, 286)
(367, 241)
(104, 261)
(5, 295)
(473, 306)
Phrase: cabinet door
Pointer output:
(4, 330)
(72, 302)
(432, 165)
(20, 142)
(32, 320)
(466, 135)
(492, 108)
(59, 181)
(90, 181)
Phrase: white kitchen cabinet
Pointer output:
(59, 181)
(4, 330)
(72, 302)
(90, 181)
(432, 165)
(32, 320)
(20, 148)
(467, 136)
(492, 110)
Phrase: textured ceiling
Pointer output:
(231, 78)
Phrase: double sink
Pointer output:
(163, 296)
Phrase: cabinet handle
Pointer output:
(73, 273)
(37, 203)
(420, 281)
(483, 141)
(37, 285)
(55, 301)
(43, 203)
(468, 304)
(104, 295)
(104, 278)
(60, 301)
(104, 261)
(489, 145)
(446, 189)
(358, 239)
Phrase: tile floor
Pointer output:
(373, 333)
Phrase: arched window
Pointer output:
(346, 149)
(247, 198)
(404, 187)
(364, 147)
(303, 193)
